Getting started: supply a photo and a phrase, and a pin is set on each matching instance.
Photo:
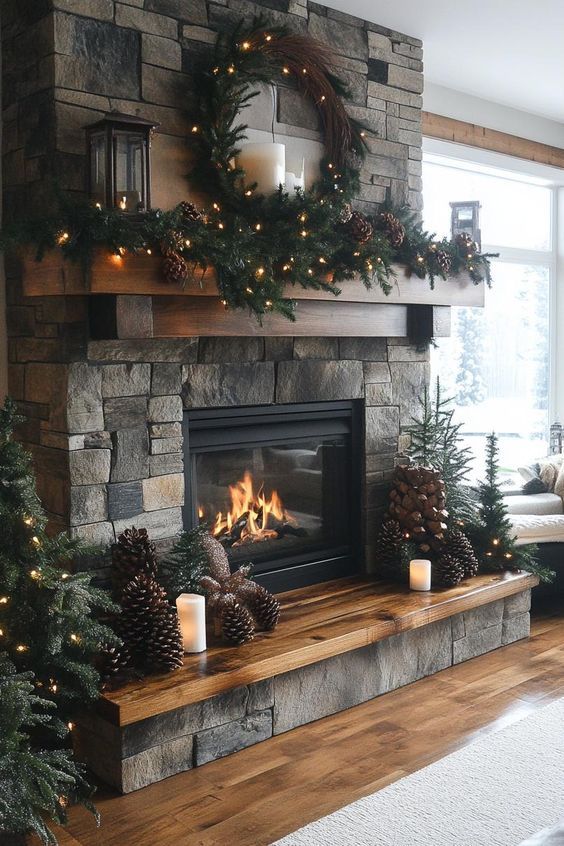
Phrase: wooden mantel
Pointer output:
(171, 311)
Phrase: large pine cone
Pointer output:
(387, 546)
(360, 227)
(173, 242)
(190, 212)
(115, 661)
(443, 260)
(142, 599)
(417, 502)
(164, 649)
(265, 609)
(449, 570)
(237, 625)
(346, 213)
(218, 562)
(392, 228)
(458, 545)
(175, 269)
(466, 244)
(133, 553)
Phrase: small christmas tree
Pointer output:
(491, 533)
(187, 563)
(47, 622)
(35, 783)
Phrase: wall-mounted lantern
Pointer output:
(119, 151)
(465, 217)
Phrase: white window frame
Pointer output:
(474, 158)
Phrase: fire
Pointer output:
(252, 516)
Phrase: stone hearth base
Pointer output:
(139, 754)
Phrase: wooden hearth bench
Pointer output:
(338, 644)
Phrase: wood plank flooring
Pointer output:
(260, 794)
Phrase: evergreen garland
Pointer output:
(259, 244)
(35, 782)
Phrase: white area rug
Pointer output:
(498, 791)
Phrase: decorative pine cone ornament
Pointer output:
(391, 227)
(190, 212)
(218, 561)
(466, 244)
(142, 599)
(263, 606)
(133, 553)
(449, 570)
(346, 213)
(386, 548)
(173, 242)
(237, 625)
(417, 502)
(115, 661)
(443, 260)
(175, 269)
(165, 651)
(360, 227)
(460, 547)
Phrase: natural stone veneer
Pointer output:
(139, 754)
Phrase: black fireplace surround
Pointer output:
(279, 487)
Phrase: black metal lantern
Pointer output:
(465, 217)
(120, 162)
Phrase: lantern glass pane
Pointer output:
(130, 166)
(98, 168)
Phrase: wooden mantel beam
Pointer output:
(450, 129)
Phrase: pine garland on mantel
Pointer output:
(258, 244)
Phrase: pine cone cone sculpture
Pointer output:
(345, 213)
(459, 546)
(265, 609)
(141, 600)
(218, 561)
(115, 661)
(392, 228)
(175, 269)
(133, 553)
(190, 212)
(443, 260)
(164, 649)
(237, 624)
(360, 227)
(418, 504)
(466, 244)
(388, 543)
(449, 570)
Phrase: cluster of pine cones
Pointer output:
(175, 267)
(148, 625)
(239, 605)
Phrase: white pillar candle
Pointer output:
(264, 164)
(191, 609)
(420, 574)
(290, 182)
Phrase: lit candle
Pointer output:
(191, 609)
(264, 164)
(420, 574)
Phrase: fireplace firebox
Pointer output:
(279, 486)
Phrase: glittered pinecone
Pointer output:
(142, 599)
(443, 260)
(392, 228)
(115, 661)
(218, 562)
(346, 213)
(190, 212)
(459, 546)
(466, 244)
(237, 624)
(265, 609)
(172, 243)
(386, 548)
(133, 553)
(164, 649)
(449, 570)
(360, 227)
(175, 269)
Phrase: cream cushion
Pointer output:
(538, 528)
(542, 503)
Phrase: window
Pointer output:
(496, 364)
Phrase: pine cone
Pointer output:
(164, 649)
(173, 242)
(392, 228)
(360, 227)
(141, 600)
(175, 269)
(443, 261)
(190, 212)
(458, 545)
(346, 213)
(417, 502)
(115, 661)
(237, 624)
(218, 561)
(466, 244)
(133, 553)
(386, 548)
(265, 609)
(449, 570)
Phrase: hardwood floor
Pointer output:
(260, 794)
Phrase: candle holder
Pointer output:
(191, 609)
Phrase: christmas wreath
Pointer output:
(259, 244)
